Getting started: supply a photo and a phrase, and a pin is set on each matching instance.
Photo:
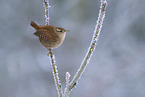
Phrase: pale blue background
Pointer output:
(117, 68)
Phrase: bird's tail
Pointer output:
(33, 24)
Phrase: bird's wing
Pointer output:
(46, 34)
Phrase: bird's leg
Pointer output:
(50, 51)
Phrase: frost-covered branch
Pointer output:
(70, 85)
(92, 44)
(66, 92)
(55, 73)
(52, 57)
(46, 5)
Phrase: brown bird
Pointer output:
(49, 36)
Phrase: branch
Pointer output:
(70, 86)
(46, 4)
(52, 57)
(66, 92)
(92, 45)
(55, 73)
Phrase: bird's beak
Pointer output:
(66, 30)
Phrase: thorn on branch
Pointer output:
(73, 86)
(60, 86)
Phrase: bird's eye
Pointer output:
(58, 30)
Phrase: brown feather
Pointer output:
(33, 24)
(46, 35)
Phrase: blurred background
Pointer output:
(116, 69)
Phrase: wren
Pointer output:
(49, 36)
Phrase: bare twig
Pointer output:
(92, 46)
